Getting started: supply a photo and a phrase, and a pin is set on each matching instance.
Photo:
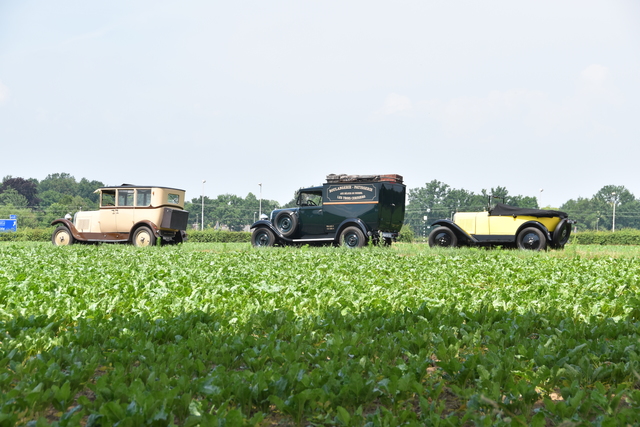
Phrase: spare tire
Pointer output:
(286, 223)
(561, 234)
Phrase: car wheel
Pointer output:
(286, 223)
(532, 239)
(561, 234)
(443, 237)
(263, 237)
(62, 237)
(352, 237)
(143, 236)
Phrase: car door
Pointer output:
(311, 215)
(108, 217)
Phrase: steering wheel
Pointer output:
(311, 203)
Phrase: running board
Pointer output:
(330, 239)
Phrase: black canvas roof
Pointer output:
(506, 210)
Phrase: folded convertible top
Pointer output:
(505, 210)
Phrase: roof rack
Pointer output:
(334, 178)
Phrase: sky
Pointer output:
(540, 97)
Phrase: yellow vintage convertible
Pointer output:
(504, 225)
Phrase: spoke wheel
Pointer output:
(443, 237)
(353, 237)
(143, 237)
(62, 237)
(532, 239)
(263, 237)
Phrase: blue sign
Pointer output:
(8, 224)
(13, 216)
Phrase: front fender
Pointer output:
(72, 228)
(460, 233)
(264, 223)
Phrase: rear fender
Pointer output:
(154, 228)
(537, 225)
(459, 232)
(352, 222)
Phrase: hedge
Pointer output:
(205, 236)
(217, 236)
(27, 235)
(622, 237)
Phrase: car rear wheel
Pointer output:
(443, 237)
(286, 223)
(263, 237)
(532, 239)
(352, 237)
(62, 237)
(143, 237)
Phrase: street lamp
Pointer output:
(202, 223)
(615, 200)
(260, 216)
(540, 198)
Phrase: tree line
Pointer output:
(37, 203)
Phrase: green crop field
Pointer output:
(227, 335)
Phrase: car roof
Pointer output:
(138, 186)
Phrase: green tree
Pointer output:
(26, 188)
(13, 198)
(228, 211)
(597, 212)
(62, 183)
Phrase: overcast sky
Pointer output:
(476, 94)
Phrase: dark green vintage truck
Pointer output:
(348, 209)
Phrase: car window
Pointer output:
(143, 197)
(125, 197)
(173, 199)
(310, 199)
(108, 198)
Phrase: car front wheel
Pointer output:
(443, 237)
(62, 237)
(263, 237)
(532, 239)
(143, 236)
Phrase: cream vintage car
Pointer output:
(503, 225)
(140, 215)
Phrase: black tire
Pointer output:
(561, 234)
(62, 237)
(443, 237)
(143, 237)
(286, 223)
(263, 237)
(352, 237)
(531, 239)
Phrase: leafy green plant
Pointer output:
(203, 334)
